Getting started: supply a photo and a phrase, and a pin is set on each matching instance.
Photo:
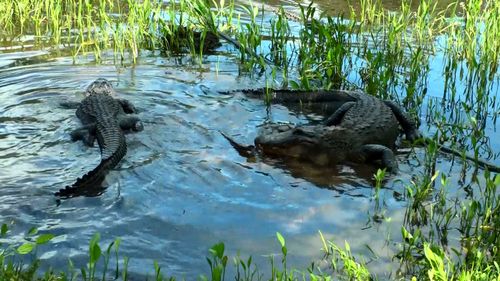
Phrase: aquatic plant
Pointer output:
(82, 26)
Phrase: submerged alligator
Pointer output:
(362, 129)
(103, 117)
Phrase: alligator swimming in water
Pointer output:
(326, 102)
(363, 128)
(103, 117)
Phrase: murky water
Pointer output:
(181, 187)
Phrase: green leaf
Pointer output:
(44, 238)
(84, 273)
(329, 72)
(117, 243)
(434, 176)
(156, 266)
(280, 239)
(95, 254)
(94, 249)
(4, 229)
(25, 248)
(406, 234)
(347, 247)
(294, 84)
(33, 231)
(284, 250)
(217, 250)
(95, 240)
(217, 273)
(242, 264)
(109, 247)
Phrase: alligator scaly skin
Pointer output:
(103, 117)
(362, 127)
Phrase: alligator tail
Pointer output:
(90, 183)
(479, 162)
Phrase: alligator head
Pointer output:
(100, 86)
(319, 144)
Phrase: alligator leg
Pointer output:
(131, 123)
(85, 133)
(337, 116)
(380, 152)
(69, 104)
(127, 106)
(408, 125)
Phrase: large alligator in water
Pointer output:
(363, 128)
(103, 117)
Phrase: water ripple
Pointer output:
(181, 187)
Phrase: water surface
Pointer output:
(181, 187)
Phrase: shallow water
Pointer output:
(181, 187)
(343, 7)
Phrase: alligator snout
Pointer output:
(286, 140)
(100, 86)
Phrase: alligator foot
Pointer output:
(131, 123)
(69, 104)
(409, 126)
(127, 106)
(382, 153)
(86, 134)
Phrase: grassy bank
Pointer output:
(384, 53)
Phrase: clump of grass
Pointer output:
(12, 270)
(341, 265)
(83, 26)
(430, 218)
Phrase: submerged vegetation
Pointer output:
(385, 53)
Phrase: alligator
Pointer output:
(326, 102)
(103, 117)
(363, 128)
(322, 102)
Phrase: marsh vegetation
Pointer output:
(441, 64)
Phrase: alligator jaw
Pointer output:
(248, 151)
(283, 140)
